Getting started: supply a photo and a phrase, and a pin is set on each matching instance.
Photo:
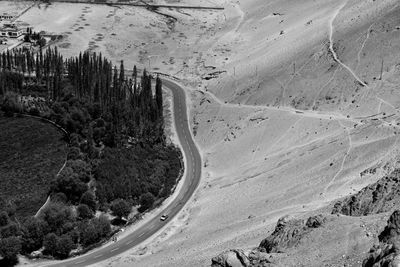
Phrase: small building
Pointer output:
(6, 16)
(11, 31)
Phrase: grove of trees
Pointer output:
(118, 157)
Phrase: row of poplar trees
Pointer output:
(134, 108)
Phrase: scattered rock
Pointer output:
(288, 233)
(240, 258)
(231, 258)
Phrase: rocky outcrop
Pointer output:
(383, 255)
(391, 233)
(381, 196)
(240, 258)
(387, 252)
(287, 234)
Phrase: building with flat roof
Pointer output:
(7, 16)
(11, 31)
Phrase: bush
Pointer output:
(33, 232)
(81, 169)
(59, 197)
(50, 244)
(56, 215)
(69, 184)
(89, 234)
(120, 208)
(84, 212)
(9, 249)
(3, 218)
(11, 104)
(34, 112)
(64, 246)
(10, 230)
(103, 225)
(74, 153)
(146, 201)
(89, 199)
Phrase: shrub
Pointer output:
(89, 199)
(120, 208)
(56, 215)
(11, 104)
(103, 225)
(69, 184)
(33, 232)
(81, 168)
(9, 248)
(89, 234)
(74, 153)
(50, 244)
(3, 218)
(146, 201)
(34, 112)
(84, 212)
(59, 197)
(64, 246)
(10, 230)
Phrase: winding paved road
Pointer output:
(193, 173)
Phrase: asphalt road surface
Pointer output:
(193, 173)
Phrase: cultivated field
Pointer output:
(31, 154)
(290, 101)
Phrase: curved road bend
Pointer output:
(193, 173)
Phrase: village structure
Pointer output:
(10, 29)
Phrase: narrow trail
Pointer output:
(387, 103)
(279, 139)
(292, 78)
(213, 124)
(286, 150)
(331, 43)
(380, 158)
(322, 88)
(241, 17)
(336, 58)
(363, 45)
(343, 161)
(380, 106)
(302, 113)
(293, 126)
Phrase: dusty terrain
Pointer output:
(291, 103)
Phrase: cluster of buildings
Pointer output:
(9, 29)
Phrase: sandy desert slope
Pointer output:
(289, 102)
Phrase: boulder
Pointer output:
(231, 258)
(240, 258)
(315, 221)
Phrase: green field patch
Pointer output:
(31, 154)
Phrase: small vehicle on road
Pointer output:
(163, 217)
